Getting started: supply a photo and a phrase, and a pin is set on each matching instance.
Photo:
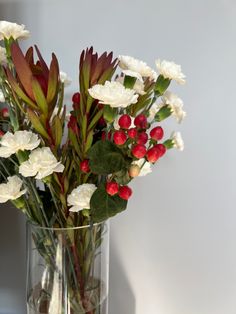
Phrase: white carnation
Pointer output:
(20, 140)
(135, 65)
(41, 163)
(65, 79)
(133, 74)
(176, 105)
(8, 30)
(138, 85)
(80, 197)
(113, 94)
(2, 98)
(11, 190)
(177, 140)
(170, 70)
(145, 167)
(3, 57)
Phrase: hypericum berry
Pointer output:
(161, 148)
(112, 188)
(72, 124)
(76, 98)
(139, 151)
(84, 166)
(157, 133)
(125, 121)
(132, 133)
(134, 171)
(1, 133)
(119, 137)
(106, 136)
(153, 155)
(125, 192)
(142, 138)
(5, 112)
(102, 122)
(141, 121)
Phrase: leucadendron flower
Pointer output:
(3, 56)
(2, 98)
(177, 141)
(41, 163)
(135, 66)
(12, 30)
(65, 79)
(80, 197)
(20, 140)
(12, 189)
(170, 70)
(113, 94)
(176, 105)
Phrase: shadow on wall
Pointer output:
(121, 296)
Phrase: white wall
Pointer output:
(173, 251)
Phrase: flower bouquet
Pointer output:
(68, 169)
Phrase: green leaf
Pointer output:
(53, 80)
(39, 96)
(109, 113)
(129, 81)
(57, 130)
(89, 141)
(104, 206)
(161, 85)
(95, 119)
(105, 158)
(34, 119)
(163, 113)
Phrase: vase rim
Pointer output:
(34, 225)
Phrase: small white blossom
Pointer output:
(176, 105)
(20, 140)
(80, 197)
(133, 74)
(3, 57)
(11, 190)
(41, 163)
(177, 140)
(145, 167)
(113, 94)
(138, 85)
(135, 65)
(8, 30)
(2, 98)
(65, 79)
(170, 70)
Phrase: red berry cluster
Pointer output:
(139, 137)
(113, 188)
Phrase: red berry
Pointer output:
(106, 136)
(157, 133)
(76, 98)
(125, 121)
(142, 138)
(1, 133)
(153, 155)
(72, 124)
(139, 151)
(125, 192)
(102, 122)
(5, 112)
(112, 188)
(141, 121)
(84, 166)
(161, 148)
(132, 133)
(119, 137)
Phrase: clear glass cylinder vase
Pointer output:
(68, 269)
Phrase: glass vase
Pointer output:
(68, 269)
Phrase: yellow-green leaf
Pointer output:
(38, 126)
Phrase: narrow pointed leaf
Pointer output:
(38, 126)
(42, 63)
(39, 96)
(53, 79)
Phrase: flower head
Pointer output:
(65, 79)
(41, 163)
(113, 94)
(177, 141)
(135, 66)
(80, 197)
(11, 190)
(170, 70)
(145, 166)
(3, 57)
(176, 105)
(20, 140)
(8, 30)
(2, 98)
